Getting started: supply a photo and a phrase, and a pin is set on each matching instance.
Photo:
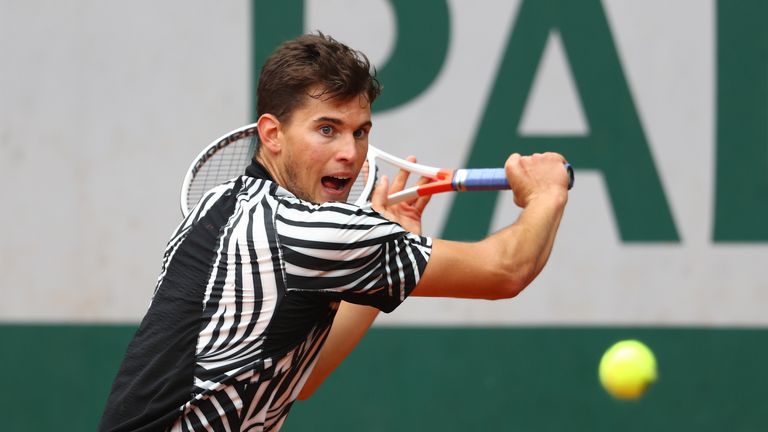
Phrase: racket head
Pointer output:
(223, 159)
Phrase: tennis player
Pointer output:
(272, 279)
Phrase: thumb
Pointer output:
(379, 196)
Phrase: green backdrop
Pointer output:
(447, 379)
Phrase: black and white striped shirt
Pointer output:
(248, 290)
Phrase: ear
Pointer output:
(269, 131)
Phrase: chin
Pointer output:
(324, 198)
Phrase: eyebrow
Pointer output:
(340, 122)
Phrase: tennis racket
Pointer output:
(229, 155)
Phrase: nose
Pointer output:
(348, 148)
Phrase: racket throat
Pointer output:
(423, 190)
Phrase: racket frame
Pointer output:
(207, 153)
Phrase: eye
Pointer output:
(360, 133)
(326, 130)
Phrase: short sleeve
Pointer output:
(343, 252)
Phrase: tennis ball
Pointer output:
(627, 368)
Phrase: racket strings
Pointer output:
(361, 191)
(228, 162)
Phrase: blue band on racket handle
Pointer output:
(480, 179)
(490, 179)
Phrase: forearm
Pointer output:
(501, 265)
(525, 246)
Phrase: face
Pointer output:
(323, 147)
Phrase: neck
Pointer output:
(272, 169)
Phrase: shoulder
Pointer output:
(333, 223)
(292, 208)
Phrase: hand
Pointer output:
(406, 213)
(536, 175)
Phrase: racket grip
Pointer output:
(490, 179)
(480, 179)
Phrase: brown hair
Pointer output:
(312, 61)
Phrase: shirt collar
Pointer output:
(257, 170)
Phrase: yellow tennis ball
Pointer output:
(627, 369)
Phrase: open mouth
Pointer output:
(335, 183)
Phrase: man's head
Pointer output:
(310, 62)
(314, 107)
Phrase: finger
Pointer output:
(401, 178)
(421, 202)
(379, 195)
(511, 166)
(424, 180)
(409, 212)
(420, 182)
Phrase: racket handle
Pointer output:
(490, 179)
(480, 179)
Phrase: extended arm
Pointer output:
(504, 263)
(499, 266)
